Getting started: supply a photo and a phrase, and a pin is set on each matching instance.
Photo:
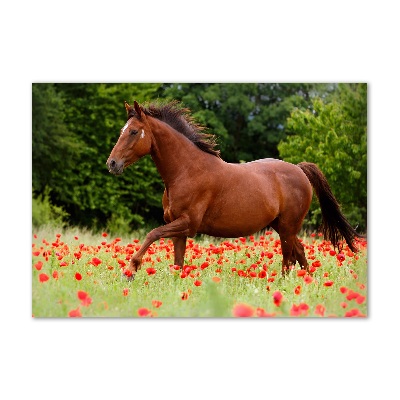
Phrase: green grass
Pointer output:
(105, 284)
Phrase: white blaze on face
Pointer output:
(142, 134)
(124, 128)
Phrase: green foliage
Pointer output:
(91, 116)
(333, 135)
(249, 118)
(54, 146)
(44, 213)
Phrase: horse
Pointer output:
(206, 195)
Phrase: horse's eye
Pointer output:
(133, 132)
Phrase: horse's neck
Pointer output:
(172, 152)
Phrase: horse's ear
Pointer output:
(137, 109)
(127, 107)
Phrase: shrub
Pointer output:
(45, 213)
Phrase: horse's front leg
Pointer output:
(179, 229)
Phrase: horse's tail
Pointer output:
(334, 224)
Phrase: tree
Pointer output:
(333, 135)
(249, 119)
(53, 144)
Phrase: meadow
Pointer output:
(79, 274)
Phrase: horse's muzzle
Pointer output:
(115, 167)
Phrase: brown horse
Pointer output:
(204, 194)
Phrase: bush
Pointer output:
(334, 136)
(45, 213)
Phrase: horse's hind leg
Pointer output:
(292, 249)
(288, 253)
(287, 244)
(299, 254)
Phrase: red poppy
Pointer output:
(307, 279)
(297, 290)
(187, 270)
(360, 299)
(144, 312)
(319, 310)
(262, 274)
(278, 297)
(297, 310)
(36, 253)
(151, 271)
(204, 265)
(156, 303)
(55, 274)
(360, 285)
(351, 295)
(216, 279)
(341, 257)
(260, 312)
(95, 261)
(343, 289)
(355, 312)
(242, 310)
(104, 234)
(125, 292)
(127, 273)
(316, 264)
(78, 276)
(301, 272)
(328, 283)
(84, 298)
(63, 264)
(39, 265)
(75, 313)
(43, 277)
(197, 283)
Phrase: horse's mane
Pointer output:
(180, 118)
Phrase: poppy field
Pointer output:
(76, 274)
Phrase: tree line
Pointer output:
(75, 126)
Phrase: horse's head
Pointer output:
(134, 141)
